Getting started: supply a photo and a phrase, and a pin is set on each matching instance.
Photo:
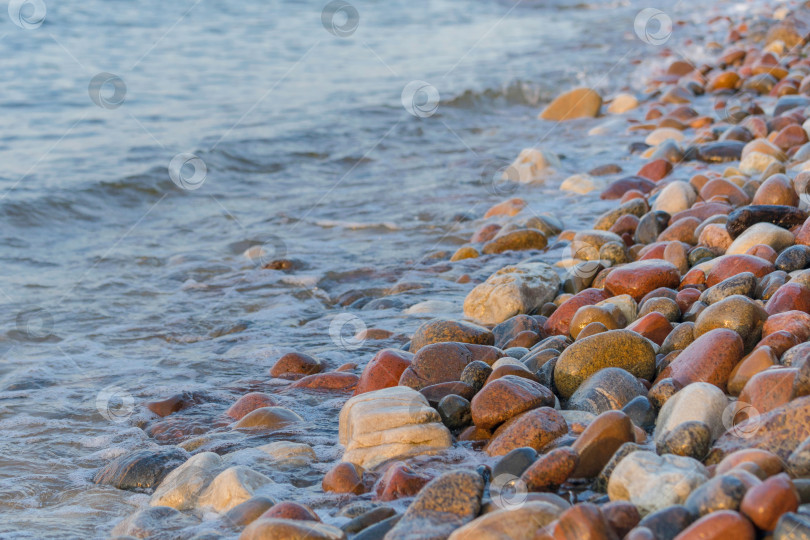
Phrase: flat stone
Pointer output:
(390, 423)
(519, 240)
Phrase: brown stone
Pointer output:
(510, 207)
(607, 314)
(769, 389)
(250, 402)
(577, 103)
(519, 240)
(763, 252)
(653, 326)
(436, 392)
(617, 189)
(444, 362)
(600, 440)
(535, 428)
(639, 278)
(731, 265)
(245, 513)
(383, 371)
(504, 398)
(789, 297)
(719, 525)
(173, 404)
(622, 516)
(759, 360)
(582, 521)
(778, 189)
(779, 342)
(560, 321)
(702, 211)
(295, 365)
(291, 510)
(442, 330)
(687, 297)
(551, 470)
(795, 322)
(399, 481)
(485, 233)
(268, 418)
(655, 170)
(511, 369)
(766, 503)
(339, 381)
(710, 358)
(767, 461)
(344, 477)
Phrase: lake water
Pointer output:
(147, 145)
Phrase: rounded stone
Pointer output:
(600, 440)
(618, 348)
(455, 412)
(765, 503)
(269, 418)
(507, 397)
(295, 365)
(442, 330)
(710, 358)
(639, 278)
(551, 470)
(476, 374)
(691, 439)
(608, 389)
(344, 478)
(535, 428)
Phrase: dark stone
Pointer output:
(666, 524)
(784, 216)
(455, 412)
(245, 513)
(379, 530)
(516, 352)
(508, 329)
(367, 519)
(744, 283)
(641, 412)
(793, 258)
(476, 374)
(720, 151)
(607, 389)
(769, 284)
(724, 492)
(680, 338)
(700, 254)
(786, 103)
(537, 359)
(515, 462)
(436, 392)
(662, 391)
(692, 439)
(545, 375)
(142, 469)
(650, 226)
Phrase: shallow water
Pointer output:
(121, 287)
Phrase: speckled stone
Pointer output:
(736, 312)
(744, 283)
(691, 439)
(443, 505)
(535, 428)
(444, 362)
(765, 503)
(723, 492)
(667, 523)
(601, 482)
(505, 398)
(515, 462)
(608, 389)
(443, 330)
(476, 374)
(639, 278)
(618, 348)
(680, 338)
(551, 470)
(455, 412)
(600, 440)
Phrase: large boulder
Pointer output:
(390, 423)
(512, 290)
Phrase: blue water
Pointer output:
(113, 275)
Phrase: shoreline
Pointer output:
(519, 411)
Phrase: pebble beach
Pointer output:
(633, 365)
